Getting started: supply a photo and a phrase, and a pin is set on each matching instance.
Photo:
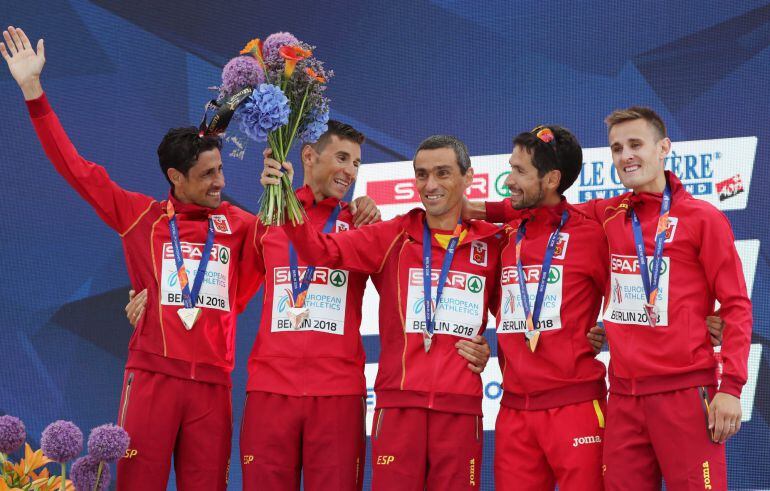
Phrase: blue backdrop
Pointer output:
(121, 73)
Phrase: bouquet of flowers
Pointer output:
(60, 442)
(287, 104)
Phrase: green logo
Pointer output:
(338, 278)
(553, 276)
(474, 284)
(500, 186)
(224, 255)
(663, 266)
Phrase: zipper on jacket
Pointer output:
(125, 399)
(379, 423)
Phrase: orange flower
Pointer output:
(293, 54)
(254, 48)
(312, 74)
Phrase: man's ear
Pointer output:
(468, 176)
(553, 179)
(307, 154)
(174, 176)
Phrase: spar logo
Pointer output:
(194, 252)
(322, 276)
(404, 191)
(510, 275)
(454, 279)
(630, 265)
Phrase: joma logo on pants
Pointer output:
(706, 476)
(586, 440)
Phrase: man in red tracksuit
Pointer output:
(427, 430)
(666, 417)
(306, 392)
(176, 390)
(551, 422)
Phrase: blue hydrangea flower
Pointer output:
(266, 110)
(314, 126)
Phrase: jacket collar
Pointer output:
(306, 197)
(477, 229)
(638, 200)
(191, 211)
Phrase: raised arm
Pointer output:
(119, 208)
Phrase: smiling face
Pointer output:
(638, 153)
(203, 183)
(526, 186)
(331, 172)
(439, 181)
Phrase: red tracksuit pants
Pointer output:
(662, 435)
(535, 450)
(165, 415)
(416, 449)
(322, 437)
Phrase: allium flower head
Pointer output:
(12, 434)
(314, 126)
(61, 441)
(274, 42)
(108, 442)
(240, 72)
(266, 110)
(83, 474)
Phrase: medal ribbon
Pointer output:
(430, 320)
(651, 284)
(533, 315)
(188, 297)
(299, 287)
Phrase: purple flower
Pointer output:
(240, 72)
(108, 442)
(83, 474)
(274, 42)
(314, 125)
(12, 434)
(266, 110)
(61, 441)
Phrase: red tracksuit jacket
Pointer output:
(701, 266)
(391, 252)
(563, 368)
(326, 356)
(160, 342)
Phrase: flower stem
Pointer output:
(299, 116)
(98, 476)
(63, 485)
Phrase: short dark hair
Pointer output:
(637, 112)
(342, 131)
(446, 141)
(563, 154)
(181, 147)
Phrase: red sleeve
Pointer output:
(594, 209)
(361, 250)
(120, 209)
(600, 262)
(724, 274)
(500, 211)
(251, 268)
